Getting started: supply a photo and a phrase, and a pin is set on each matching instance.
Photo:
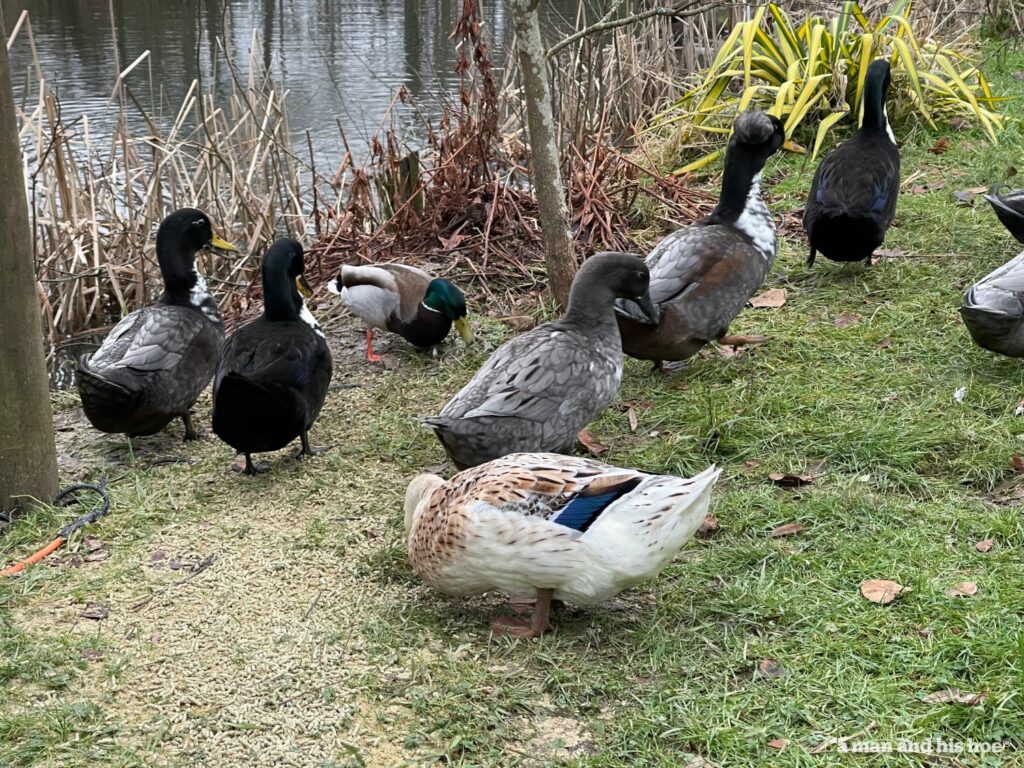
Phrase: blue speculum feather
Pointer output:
(580, 513)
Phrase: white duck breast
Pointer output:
(756, 221)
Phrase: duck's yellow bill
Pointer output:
(222, 245)
(464, 329)
(303, 286)
(791, 146)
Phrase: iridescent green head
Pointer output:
(443, 297)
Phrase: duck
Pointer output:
(853, 194)
(537, 391)
(404, 300)
(1009, 207)
(993, 309)
(703, 275)
(275, 371)
(547, 526)
(153, 365)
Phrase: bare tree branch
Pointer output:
(606, 24)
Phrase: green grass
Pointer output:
(328, 643)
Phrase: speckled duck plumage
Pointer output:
(539, 521)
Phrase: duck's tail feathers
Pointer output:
(643, 530)
(106, 403)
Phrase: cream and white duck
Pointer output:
(548, 526)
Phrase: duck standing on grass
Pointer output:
(853, 195)
(703, 275)
(993, 308)
(404, 300)
(275, 371)
(153, 365)
(546, 526)
(1009, 207)
(537, 391)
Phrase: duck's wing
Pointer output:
(1008, 277)
(856, 181)
(148, 340)
(412, 285)
(275, 354)
(529, 377)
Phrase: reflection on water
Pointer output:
(340, 60)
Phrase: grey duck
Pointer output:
(153, 365)
(537, 391)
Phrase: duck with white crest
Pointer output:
(153, 365)
(703, 275)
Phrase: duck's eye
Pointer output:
(198, 222)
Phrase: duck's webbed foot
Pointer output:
(252, 468)
(535, 626)
(308, 450)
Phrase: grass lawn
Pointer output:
(275, 620)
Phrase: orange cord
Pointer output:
(53, 546)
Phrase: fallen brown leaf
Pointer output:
(1018, 462)
(789, 529)
(884, 344)
(90, 544)
(770, 299)
(963, 589)
(97, 555)
(845, 321)
(940, 147)
(778, 743)
(881, 591)
(788, 480)
(769, 668)
(1019, 74)
(708, 527)
(96, 611)
(985, 545)
(591, 443)
(954, 695)
(91, 654)
(633, 423)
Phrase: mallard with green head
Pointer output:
(274, 374)
(153, 365)
(404, 300)
(853, 195)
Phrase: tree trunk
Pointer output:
(28, 458)
(544, 165)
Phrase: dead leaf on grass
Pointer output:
(845, 321)
(963, 589)
(1019, 74)
(633, 423)
(789, 529)
(770, 299)
(591, 443)
(708, 527)
(954, 696)
(97, 556)
(1018, 462)
(778, 743)
(881, 591)
(985, 545)
(769, 668)
(90, 544)
(940, 147)
(91, 654)
(789, 480)
(96, 611)
(884, 344)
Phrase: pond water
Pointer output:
(341, 60)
